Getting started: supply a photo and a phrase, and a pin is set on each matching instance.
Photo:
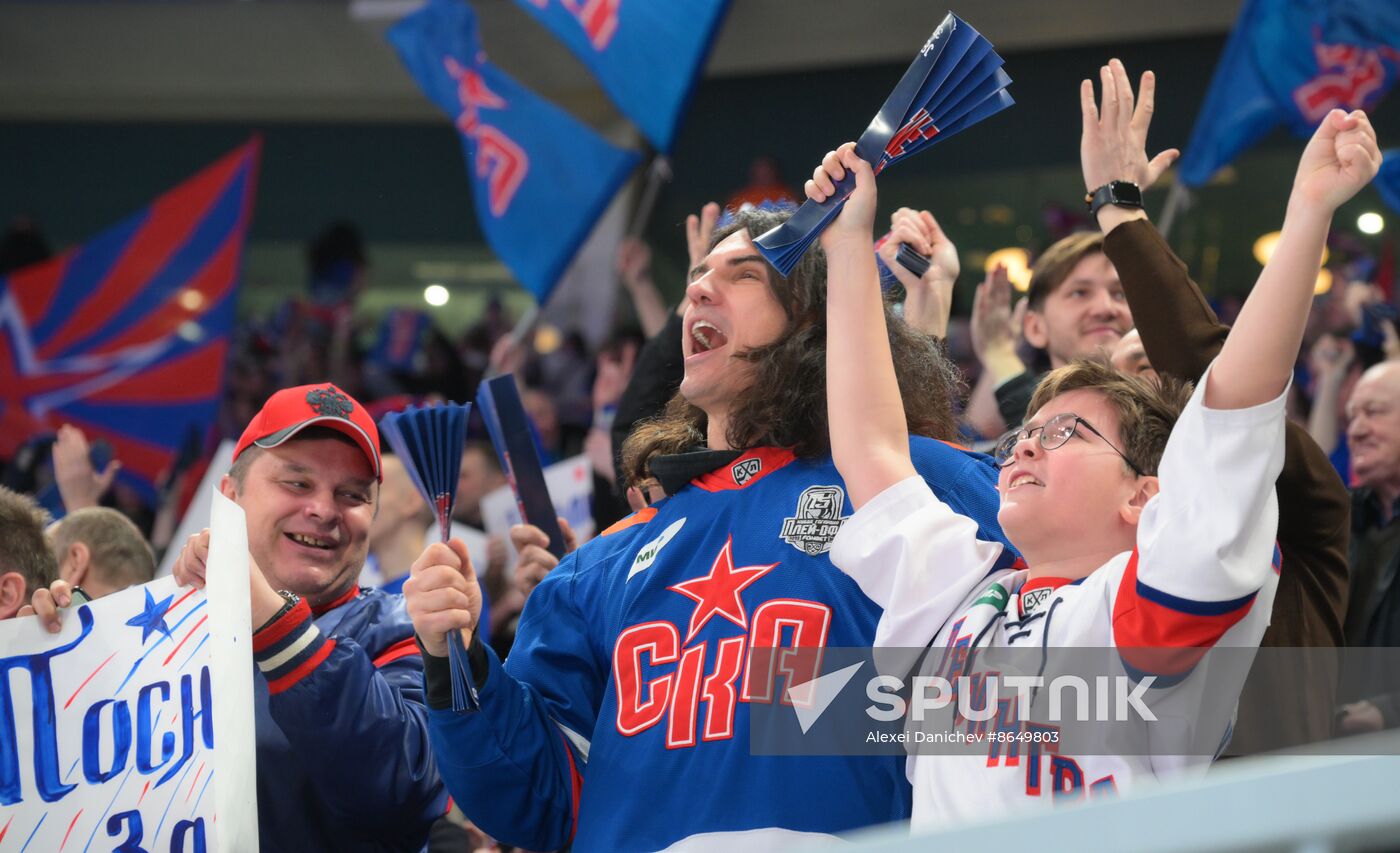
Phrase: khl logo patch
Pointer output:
(745, 470)
(1034, 599)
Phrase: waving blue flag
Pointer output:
(646, 54)
(540, 178)
(1290, 62)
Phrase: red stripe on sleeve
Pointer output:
(291, 678)
(1159, 640)
(281, 626)
(576, 783)
(401, 649)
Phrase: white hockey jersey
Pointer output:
(1201, 576)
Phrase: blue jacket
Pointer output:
(621, 719)
(343, 756)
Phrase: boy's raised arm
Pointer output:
(869, 435)
(1257, 360)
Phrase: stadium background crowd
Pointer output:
(573, 379)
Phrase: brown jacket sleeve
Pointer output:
(1181, 335)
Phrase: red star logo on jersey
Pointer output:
(718, 592)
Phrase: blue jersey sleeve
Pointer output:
(515, 767)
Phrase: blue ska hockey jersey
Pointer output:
(621, 720)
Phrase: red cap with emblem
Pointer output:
(292, 410)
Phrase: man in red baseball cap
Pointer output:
(306, 472)
(292, 410)
(343, 757)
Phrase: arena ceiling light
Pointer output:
(436, 295)
(1370, 222)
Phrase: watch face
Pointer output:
(1124, 191)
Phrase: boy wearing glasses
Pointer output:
(1145, 515)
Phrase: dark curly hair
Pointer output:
(785, 404)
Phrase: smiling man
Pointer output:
(633, 659)
(342, 741)
(1373, 610)
(1076, 309)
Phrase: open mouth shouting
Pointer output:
(705, 337)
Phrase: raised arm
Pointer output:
(1179, 330)
(634, 268)
(869, 436)
(1329, 361)
(1113, 144)
(928, 299)
(79, 484)
(1256, 362)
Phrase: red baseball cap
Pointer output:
(292, 410)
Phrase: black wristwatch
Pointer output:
(1120, 193)
(289, 600)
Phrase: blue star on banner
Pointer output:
(153, 617)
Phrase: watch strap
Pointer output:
(289, 600)
(1118, 193)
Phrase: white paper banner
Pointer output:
(129, 729)
(231, 667)
(570, 484)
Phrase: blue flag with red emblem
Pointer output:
(125, 336)
(540, 178)
(646, 55)
(1291, 62)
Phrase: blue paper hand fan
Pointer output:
(955, 82)
(429, 440)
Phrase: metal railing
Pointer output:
(1285, 801)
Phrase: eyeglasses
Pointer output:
(1053, 434)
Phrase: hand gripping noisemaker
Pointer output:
(955, 82)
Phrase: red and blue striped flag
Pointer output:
(125, 336)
